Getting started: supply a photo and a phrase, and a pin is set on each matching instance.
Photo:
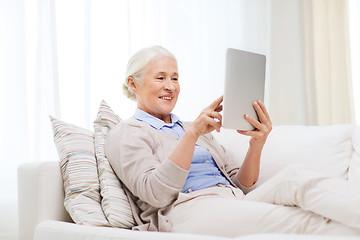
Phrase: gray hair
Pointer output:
(138, 63)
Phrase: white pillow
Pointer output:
(75, 146)
(114, 201)
(328, 149)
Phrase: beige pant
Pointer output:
(225, 211)
(331, 197)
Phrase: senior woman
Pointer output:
(177, 177)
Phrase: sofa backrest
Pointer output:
(328, 149)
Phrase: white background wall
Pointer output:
(287, 100)
(12, 85)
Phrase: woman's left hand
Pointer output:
(263, 126)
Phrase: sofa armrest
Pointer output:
(40, 196)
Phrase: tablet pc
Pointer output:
(244, 84)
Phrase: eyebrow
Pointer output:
(164, 73)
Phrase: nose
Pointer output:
(169, 85)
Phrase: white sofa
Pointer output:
(333, 149)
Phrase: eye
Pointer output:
(160, 78)
(174, 79)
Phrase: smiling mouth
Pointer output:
(166, 98)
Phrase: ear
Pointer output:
(132, 84)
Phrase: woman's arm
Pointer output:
(249, 172)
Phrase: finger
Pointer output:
(216, 103)
(262, 105)
(246, 133)
(253, 134)
(212, 124)
(212, 119)
(254, 122)
(217, 116)
(242, 132)
(217, 125)
(219, 108)
(260, 113)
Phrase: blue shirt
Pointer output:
(203, 171)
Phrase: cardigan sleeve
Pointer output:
(131, 152)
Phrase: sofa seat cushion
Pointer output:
(56, 230)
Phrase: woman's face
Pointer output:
(158, 91)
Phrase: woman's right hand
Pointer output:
(209, 119)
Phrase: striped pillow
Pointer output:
(114, 202)
(75, 146)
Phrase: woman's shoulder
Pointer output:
(129, 131)
(129, 125)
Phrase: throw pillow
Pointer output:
(354, 167)
(327, 149)
(114, 202)
(75, 146)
